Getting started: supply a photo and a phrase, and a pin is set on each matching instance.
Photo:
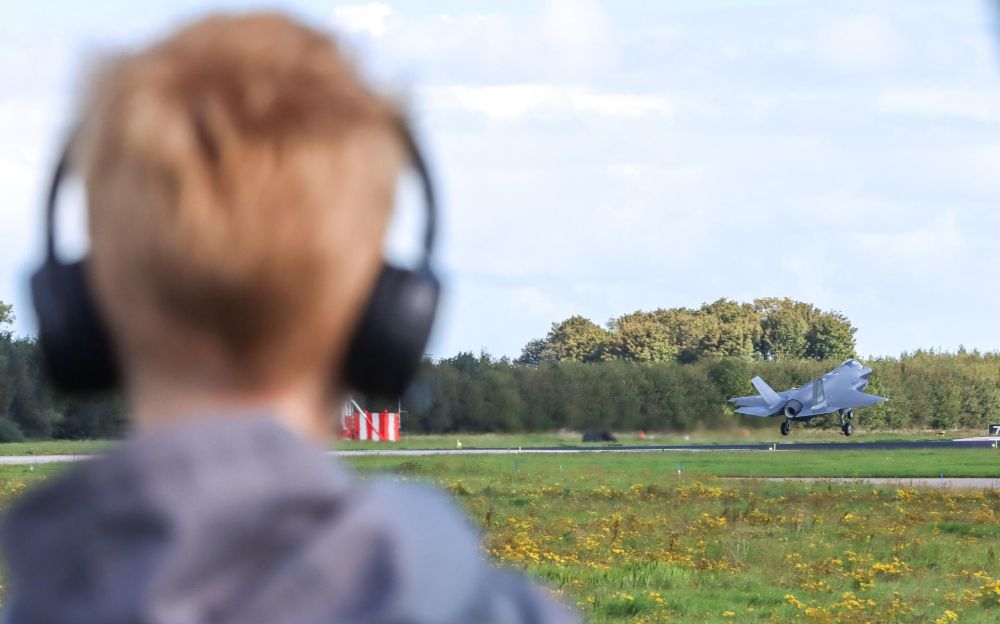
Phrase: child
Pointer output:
(230, 172)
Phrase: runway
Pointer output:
(690, 448)
(25, 460)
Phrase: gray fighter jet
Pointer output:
(839, 391)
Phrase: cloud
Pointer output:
(979, 105)
(562, 41)
(920, 247)
(510, 101)
(597, 158)
(367, 18)
(862, 42)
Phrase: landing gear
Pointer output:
(786, 427)
(846, 427)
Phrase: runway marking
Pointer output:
(26, 460)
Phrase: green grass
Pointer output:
(56, 447)
(627, 538)
(619, 469)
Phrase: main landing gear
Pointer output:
(786, 427)
(845, 426)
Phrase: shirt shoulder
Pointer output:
(439, 571)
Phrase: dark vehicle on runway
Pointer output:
(838, 391)
(599, 436)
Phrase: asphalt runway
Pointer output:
(24, 460)
(691, 448)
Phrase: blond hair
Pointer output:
(239, 177)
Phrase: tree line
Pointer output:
(469, 393)
(30, 409)
(662, 370)
(766, 329)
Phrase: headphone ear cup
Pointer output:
(390, 340)
(75, 345)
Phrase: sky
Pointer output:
(598, 158)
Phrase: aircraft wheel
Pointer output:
(785, 428)
(849, 414)
(848, 429)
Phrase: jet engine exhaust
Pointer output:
(792, 408)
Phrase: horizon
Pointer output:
(598, 158)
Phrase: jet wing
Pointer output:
(854, 398)
(748, 401)
(755, 411)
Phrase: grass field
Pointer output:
(629, 538)
(56, 447)
(626, 469)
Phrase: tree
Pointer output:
(682, 325)
(531, 354)
(6, 319)
(784, 326)
(722, 328)
(731, 329)
(577, 338)
(639, 337)
(830, 337)
(28, 399)
(731, 376)
(92, 419)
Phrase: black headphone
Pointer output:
(384, 353)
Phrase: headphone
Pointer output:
(383, 356)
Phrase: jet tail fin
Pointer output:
(770, 396)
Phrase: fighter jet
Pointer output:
(838, 391)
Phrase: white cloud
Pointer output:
(861, 43)
(623, 105)
(594, 158)
(579, 31)
(509, 101)
(928, 245)
(981, 104)
(368, 18)
(563, 39)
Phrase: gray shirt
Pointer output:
(240, 521)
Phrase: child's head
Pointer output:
(239, 178)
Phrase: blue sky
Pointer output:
(599, 158)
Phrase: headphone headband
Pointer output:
(420, 167)
(61, 169)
